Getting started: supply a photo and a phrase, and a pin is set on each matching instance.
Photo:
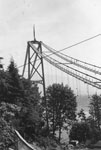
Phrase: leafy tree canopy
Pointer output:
(80, 131)
(95, 109)
(61, 105)
(81, 115)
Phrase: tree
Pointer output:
(7, 114)
(61, 105)
(31, 93)
(29, 121)
(82, 115)
(20, 92)
(80, 131)
(94, 131)
(15, 88)
(3, 86)
(95, 109)
(11, 88)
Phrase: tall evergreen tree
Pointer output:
(20, 105)
(30, 117)
(3, 86)
(15, 89)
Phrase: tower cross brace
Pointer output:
(34, 64)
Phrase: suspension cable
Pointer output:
(54, 51)
(78, 43)
(65, 70)
(73, 45)
(75, 62)
(75, 69)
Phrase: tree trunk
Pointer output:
(59, 132)
(53, 122)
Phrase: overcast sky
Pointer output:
(59, 23)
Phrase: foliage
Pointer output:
(80, 131)
(15, 88)
(29, 120)
(3, 86)
(81, 115)
(7, 114)
(30, 123)
(48, 143)
(19, 106)
(5, 134)
(95, 109)
(8, 111)
(61, 105)
(94, 131)
(31, 93)
(11, 89)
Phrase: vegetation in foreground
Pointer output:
(38, 118)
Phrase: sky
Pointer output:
(58, 23)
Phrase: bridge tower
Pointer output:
(35, 67)
(34, 62)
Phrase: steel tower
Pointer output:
(34, 65)
(34, 62)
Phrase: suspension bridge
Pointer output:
(38, 52)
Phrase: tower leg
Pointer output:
(34, 63)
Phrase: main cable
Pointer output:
(68, 47)
(74, 69)
(54, 51)
(83, 41)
